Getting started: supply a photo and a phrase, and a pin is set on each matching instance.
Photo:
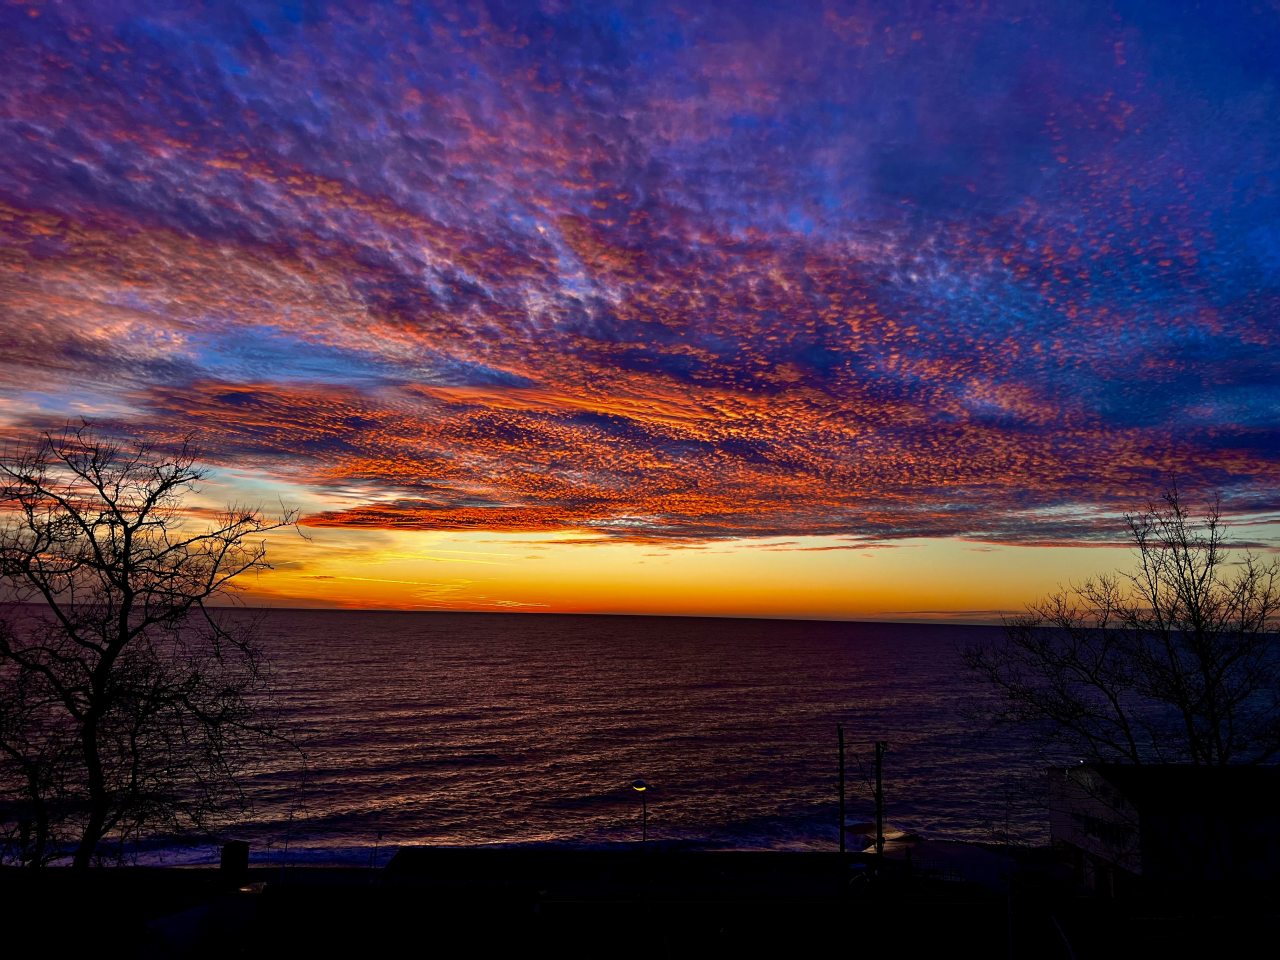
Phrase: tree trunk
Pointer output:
(97, 799)
(41, 841)
(97, 780)
(40, 829)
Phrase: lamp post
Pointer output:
(639, 786)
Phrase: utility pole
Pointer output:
(840, 737)
(881, 747)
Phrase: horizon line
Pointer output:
(990, 618)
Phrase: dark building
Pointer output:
(1129, 827)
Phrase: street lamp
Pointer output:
(639, 786)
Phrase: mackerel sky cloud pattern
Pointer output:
(661, 272)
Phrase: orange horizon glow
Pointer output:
(817, 578)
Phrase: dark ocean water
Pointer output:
(479, 729)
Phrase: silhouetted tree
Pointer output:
(126, 699)
(1176, 661)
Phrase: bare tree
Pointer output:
(128, 699)
(1176, 661)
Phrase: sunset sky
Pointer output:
(834, 309)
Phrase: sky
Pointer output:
(831, 309)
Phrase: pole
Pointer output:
(881, 746)
(639, 786)
(840, 737)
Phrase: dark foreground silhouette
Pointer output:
(622, 903)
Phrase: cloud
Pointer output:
(671, 277)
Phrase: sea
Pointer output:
(478, 729)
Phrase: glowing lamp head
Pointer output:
(639, 786)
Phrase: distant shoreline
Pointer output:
(990, 618)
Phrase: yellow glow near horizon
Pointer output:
(799, 577)
(808, 578)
